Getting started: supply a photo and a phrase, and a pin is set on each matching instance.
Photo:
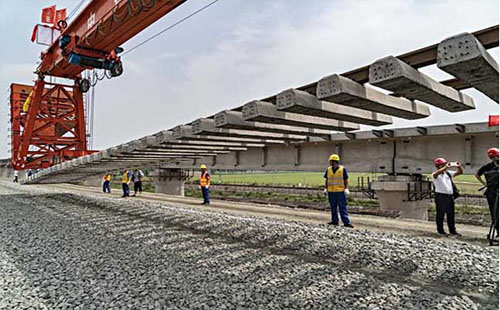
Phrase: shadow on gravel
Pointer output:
(115, 256)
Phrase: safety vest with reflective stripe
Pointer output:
(125, 178)
(205, 179)
(335, 181)
(107, 177)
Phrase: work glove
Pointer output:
(346, 192)
(325, 192)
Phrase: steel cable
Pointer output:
(171, 26)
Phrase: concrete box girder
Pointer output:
(266, 112)
(234, 120)
(339, 89)
(464, 57)
(395, 75)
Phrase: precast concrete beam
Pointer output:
(196, 147)
(173, 153)
(225, 144)
(265, 112)
(140, 158)
(184, 132)
(342, 90)
(301, 102)
(395, 75)
(205, 126)
(464, 57)
(166, 138)
(234, 120)
(165, 150)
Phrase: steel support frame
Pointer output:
(53, 129)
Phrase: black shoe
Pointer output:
(456, 234)
(348, 225)
(333, 224)
(443, 234)
(203, 203)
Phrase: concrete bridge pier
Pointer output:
(95, 181)
(405, 194)
(170, 181)
(7, 172)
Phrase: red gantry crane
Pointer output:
(47, 119)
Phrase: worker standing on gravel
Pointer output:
(106, 185)
(336, 187)
(125, 183)
(205, 184)
(137, 179)
(490, 172)
(446, 193)
(16, 176)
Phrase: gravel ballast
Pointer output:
(82, 251)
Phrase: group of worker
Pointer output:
(136, 178)
(446, 191)
(337, 189)
(337, 183)
(127, 176)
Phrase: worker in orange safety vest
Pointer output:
(205, 184)
(106, 185)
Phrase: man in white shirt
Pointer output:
(445, 202)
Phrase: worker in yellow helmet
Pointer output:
(336, 187)
(106, 185)
(205, 184)
(125, 183)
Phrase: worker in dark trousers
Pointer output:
(336, 187)
(205, 184)
(137, 179)
(125, 183)
(106, 185)
(490, 171)
(444, 190)
(16, 176)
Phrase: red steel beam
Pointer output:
(104, 25)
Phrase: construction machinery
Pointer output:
(48, 119)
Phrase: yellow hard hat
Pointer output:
(334, 157)
(203, 167)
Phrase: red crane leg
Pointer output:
(53, 128)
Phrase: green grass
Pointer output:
(308, 179)
(280, 196)
(467, 184)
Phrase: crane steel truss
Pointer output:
(56, 123)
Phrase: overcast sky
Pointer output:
(241, 50)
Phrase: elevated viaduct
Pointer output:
(297, 129)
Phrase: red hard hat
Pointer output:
(493, 152)
(439, 161)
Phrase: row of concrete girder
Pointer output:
(337, 103)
